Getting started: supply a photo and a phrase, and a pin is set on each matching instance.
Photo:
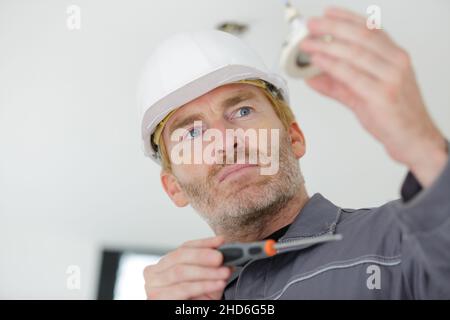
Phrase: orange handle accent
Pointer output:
(269, 248)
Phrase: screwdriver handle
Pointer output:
(238, 253)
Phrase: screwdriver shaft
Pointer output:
(293, 244)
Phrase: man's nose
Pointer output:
(230, 141)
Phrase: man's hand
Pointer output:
(193, 271)
(366, 71)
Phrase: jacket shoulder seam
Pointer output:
(383, 260)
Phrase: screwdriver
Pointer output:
(238, 253)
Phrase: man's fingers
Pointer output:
(358, 81)
(352, 54)
(194, 256)
(328, 86)
(194, 269)
(212, 242)
(373, 40)
(182, 273)
(211, 295)
(186, 290)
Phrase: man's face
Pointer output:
(230, 195)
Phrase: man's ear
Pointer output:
(297, 140)
(173, 189)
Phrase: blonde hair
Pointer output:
(281, 108)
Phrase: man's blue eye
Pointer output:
(244, 111)
(194, 132)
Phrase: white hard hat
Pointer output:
(186, 66)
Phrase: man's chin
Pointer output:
(248, 184)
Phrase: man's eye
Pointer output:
(244, 111)
(193, 133)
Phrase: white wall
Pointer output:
(73, 178)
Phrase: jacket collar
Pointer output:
(318, 217)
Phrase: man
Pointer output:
(211, 81)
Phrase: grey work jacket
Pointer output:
(400, 250)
